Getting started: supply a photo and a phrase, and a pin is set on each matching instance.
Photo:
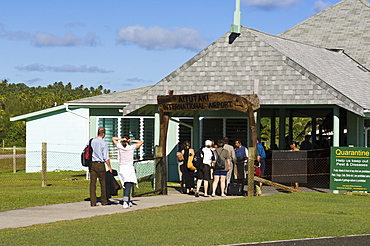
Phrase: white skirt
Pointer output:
(127, 174)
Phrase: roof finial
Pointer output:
(235, 28)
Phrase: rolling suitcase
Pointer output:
(235, 189)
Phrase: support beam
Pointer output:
(157, 128)
(273, 130)
(361, 131)
(291, 122)
(336, 131)
(313, 131)
(282, 128)
(252, 151)
(336, 126)
(196, 133)
(161, 165)
(277, 185)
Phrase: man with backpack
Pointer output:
(100, 157)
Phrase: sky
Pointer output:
(125, 44)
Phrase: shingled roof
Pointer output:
(345, 25)
(115, 98)
(280, 71)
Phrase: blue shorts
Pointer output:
(220, 173)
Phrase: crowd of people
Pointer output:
(221, 163)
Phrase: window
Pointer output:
(137, 128)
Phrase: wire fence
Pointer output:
(308, 168)
(65, 166)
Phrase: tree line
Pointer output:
(17, 99)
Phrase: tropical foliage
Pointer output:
(18, 99)
(300, 127)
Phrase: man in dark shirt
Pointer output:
(306, 144)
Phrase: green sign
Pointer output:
(350, 168)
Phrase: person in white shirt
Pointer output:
(126, 164)
(204, 174)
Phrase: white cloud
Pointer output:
(69, 39)
(65, 68)
(157, 38)
(13, 35)
(320, 6)
(75, 24)
(270, 4)
(45, 39)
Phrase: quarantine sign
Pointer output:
(350, 168)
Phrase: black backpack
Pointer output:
(198, 159)
(220, 163)
(86, 156)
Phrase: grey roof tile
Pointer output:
(345, 25)
(120, 98)
(291, 66)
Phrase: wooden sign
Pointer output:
(207, 101)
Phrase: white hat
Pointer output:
(208, 143)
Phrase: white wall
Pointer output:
(65, 133)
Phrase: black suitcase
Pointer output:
(235, 189)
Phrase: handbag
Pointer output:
(190, 161)
(257, 172)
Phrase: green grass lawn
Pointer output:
(20, 190)
(229, 221)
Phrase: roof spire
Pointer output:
(235, 28)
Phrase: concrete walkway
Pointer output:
(69, 211)
(78, 210)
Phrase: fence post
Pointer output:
(250, 168)
(14, 160)
(44, 160)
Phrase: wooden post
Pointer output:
(251, 151)
(14, 160)
(251, 158)
(44, 160)
(164, 120)
(158, 169)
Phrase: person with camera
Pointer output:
(126, 164)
